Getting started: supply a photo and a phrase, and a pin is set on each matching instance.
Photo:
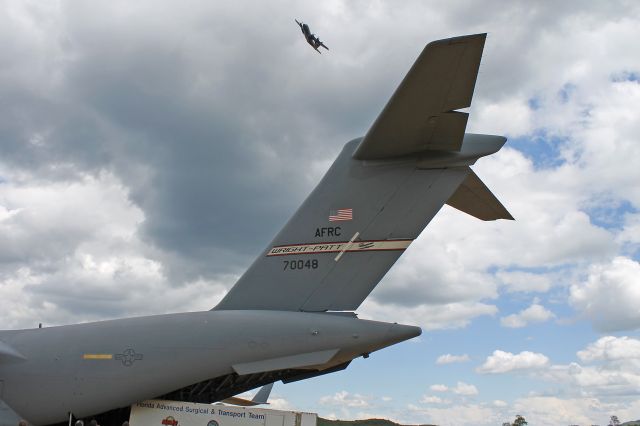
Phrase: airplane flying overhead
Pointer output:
(311, 38)
(291, 315)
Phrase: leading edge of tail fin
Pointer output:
(376, 198)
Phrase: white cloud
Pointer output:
(461, 388)
(429, 317)
(504, 362)
(628, 412)
(550, 410)
(455, 415)
(346, 399)
(64, 243)
(611, 118)
(465, 389)
(518, 281)
(615, 370)
(428, 399)
(610, 295)
(630, 233)
(439, 388)
(534, 313)
(611, 348)
(513, 116)
(450, 359)
(279, 403)
(42, 219)
(615, 379)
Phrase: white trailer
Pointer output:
(175, 413)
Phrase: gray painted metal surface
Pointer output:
(373, 202)
(420, 115)
(91, 368)
(7, 416)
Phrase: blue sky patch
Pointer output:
(542, 148)
(609, 214)
(534, 103)
(626, 76)
(536, 269)
(565, 93)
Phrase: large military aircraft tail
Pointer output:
(380, 193)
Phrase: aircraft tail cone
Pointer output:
(401, 332)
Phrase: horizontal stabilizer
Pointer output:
(242, 402)
(474, 198)
(287, 362)
(420, 115)
(260, 398)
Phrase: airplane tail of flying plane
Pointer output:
(380, 193)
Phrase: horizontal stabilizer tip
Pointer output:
(260, 398)
(474, 198)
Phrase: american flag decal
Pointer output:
(340, 214)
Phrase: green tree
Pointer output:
(519, 421)
(614, 421)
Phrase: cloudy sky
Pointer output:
(149, 151)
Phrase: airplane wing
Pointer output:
(380, 193)
(420, 115)
(260, 398)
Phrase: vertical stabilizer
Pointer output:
(380, 192)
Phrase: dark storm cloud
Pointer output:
(221, 109)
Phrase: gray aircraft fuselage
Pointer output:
(91, 368)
